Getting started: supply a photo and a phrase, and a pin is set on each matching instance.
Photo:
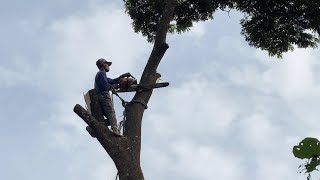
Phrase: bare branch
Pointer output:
(96, 126)
(228, 11)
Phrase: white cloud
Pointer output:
(79, 41)
(192, 161)
(294, 79)
(293, 76)
(156, 162)
(105, 171)
(198, 30)
(32, 27)
(259, 132)
(90, 162)
(231, 47)
(184, 159)
(196, 107)
(195, 33)
(277, 110)
(270, 168)
(10, 77)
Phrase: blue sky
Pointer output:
(230, 112)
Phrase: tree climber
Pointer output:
(102, 86)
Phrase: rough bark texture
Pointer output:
(125, 151)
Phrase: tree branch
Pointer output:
(160, 45)
(99, 128)
(150, 75)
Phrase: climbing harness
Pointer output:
(122, 123)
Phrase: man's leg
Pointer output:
(108, 111)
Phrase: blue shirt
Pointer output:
(103, 83)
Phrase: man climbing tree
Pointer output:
(276, 26)
(103, 85)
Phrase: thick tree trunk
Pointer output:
(122, 150)
(125, 151)
(130, 170)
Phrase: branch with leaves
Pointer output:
(308, 150)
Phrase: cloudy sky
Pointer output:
(230, 112)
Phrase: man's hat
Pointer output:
(101, 61)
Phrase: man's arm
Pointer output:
(113, 81)
(116, 80)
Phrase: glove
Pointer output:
(125, 75)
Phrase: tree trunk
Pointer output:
(125, 151)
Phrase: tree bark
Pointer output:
(125, 151)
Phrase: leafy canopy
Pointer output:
(308, 148)
(271, 25)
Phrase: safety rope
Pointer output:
(122, 123)
(144, 104)
(124, 103)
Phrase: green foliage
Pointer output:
(308, 148)
(277, 25)
(272, 25)
(147, 13)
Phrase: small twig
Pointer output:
(228, 12)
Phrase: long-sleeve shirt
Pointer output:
(103, 83)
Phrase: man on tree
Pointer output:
(103, 85)
(271, 25)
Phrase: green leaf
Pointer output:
(307, 148)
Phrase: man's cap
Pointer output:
(101, 61)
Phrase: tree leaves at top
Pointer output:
(272, 25)
(146, 14)
(307, 148)
(277, 25)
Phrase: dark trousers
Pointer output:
(107, 108)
